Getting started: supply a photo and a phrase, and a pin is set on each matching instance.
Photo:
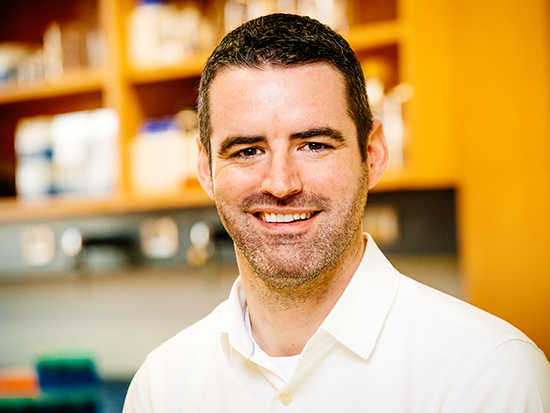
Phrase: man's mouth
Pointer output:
(272, 217)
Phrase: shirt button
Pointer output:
(285, 398)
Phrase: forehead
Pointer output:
(291, 97)
(308, 76)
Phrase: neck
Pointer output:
(283, 320)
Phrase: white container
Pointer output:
(234, 14)
(330, 12)
(158, 153)
(69, 153)
(257, 8)
(33, 149)
(33, 178)
(155, 34)
(286, 6)
(71, 137)
(188, 122)
(53, 52)
(103, 162)
(191, 29)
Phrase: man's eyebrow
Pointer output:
(232, 141)
(328, 132)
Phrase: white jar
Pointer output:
(155, 34)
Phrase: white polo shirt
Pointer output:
(390, 344)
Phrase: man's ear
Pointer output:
(377, 153)
(204, 174)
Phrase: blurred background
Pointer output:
(108, 245)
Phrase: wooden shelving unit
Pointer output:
(478, 80)
(376, 29)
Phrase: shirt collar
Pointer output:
(357, 318)
(355, 321)
(234, 334)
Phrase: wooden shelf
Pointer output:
(14, 210)
(71, 83)
(360, 37)
(139, 93)
(191, 67)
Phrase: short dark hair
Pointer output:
(281, 40)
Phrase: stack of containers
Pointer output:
(67, 45)
(33, 148)
(18, 389)
(68, 383)
(73, 153)
(160, 33)
(164, 154)
(65, 381)
(330, 12)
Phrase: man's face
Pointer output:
(286, 175)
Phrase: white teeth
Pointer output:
(271, 217)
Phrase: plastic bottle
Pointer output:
(159, 157)
(33, 148)
(155, 36)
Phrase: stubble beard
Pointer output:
(294, 263)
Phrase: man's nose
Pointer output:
(283, 178)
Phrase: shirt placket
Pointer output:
(287, 399)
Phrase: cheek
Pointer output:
(334, 176)
(232, 183)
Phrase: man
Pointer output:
(318, 320)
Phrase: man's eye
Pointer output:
(316, 146)
(247, 152)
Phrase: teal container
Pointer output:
(69, 383)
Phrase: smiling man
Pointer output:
(318, 320)
(290, 186)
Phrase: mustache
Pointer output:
(299, 200)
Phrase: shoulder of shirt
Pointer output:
(476, 331)
(191, 342)
(428, 307)
(483, 345)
